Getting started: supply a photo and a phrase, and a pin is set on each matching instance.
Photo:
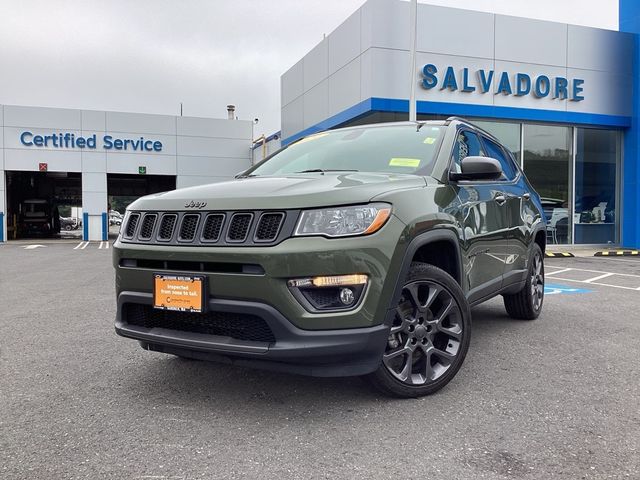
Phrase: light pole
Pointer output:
(413, 27)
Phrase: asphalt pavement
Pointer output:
(553, 398)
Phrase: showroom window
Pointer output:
(547, 164)
(596, 174)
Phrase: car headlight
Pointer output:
(344, 221)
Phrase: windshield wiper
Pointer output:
(320, 170)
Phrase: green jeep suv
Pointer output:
(356, 251)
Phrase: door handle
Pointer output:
(500, 199)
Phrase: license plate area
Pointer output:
(182, 293)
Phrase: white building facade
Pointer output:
(88, 153)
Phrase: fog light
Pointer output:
(332, 281)
(346, 296)
(327, 293)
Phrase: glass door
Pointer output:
(547, 164)
(597, 160)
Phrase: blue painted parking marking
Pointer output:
(554, 289)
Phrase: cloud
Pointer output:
(148, 56)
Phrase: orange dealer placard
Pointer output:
(178, 292)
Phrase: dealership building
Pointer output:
(86, 159)
(563, 98)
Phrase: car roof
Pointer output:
(456, 121)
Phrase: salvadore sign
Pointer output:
(502, 83)
(92, 142)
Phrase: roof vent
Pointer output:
(231, 110)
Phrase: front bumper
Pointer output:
(378, 256)
(321, 343)
(324, 353)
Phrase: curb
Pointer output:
(558, 254)
(617, 253)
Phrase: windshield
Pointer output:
(389, 149)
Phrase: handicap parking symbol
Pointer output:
(554, 289)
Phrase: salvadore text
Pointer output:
(108, 142)
(504, 83)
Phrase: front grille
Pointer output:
(235, 325)
(148, 222)
(132, 224)
(188, 227)
(239, 227)
(212, 227)
(166, 227)
(269, 226)
(218, 228)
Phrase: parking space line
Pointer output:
(599, 277)
(595, 283)
(558, 271)
(81, 245)
(592, 271)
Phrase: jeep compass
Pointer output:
(350, 252)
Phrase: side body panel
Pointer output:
(485, 235)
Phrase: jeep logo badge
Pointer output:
(193, 204)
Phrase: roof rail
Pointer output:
(451, 119)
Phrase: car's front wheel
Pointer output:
(527, 303)
(429, 337)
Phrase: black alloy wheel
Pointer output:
(429, 337)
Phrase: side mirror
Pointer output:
(478, 168)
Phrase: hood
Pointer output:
(292, 191)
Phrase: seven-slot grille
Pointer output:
(209, 228)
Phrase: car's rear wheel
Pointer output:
(527, 303)
(429, 337)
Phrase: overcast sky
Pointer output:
(150, 55)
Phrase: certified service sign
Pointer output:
(106, 142)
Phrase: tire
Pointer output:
(527, 303)
(429, 337)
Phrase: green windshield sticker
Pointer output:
(404, 162)
(429, 140)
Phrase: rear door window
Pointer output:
(494, 150)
